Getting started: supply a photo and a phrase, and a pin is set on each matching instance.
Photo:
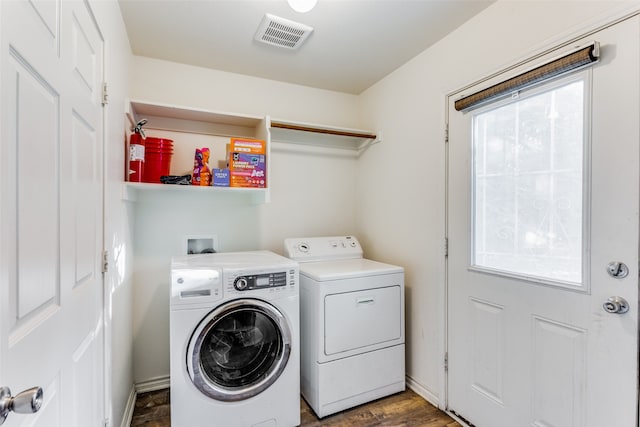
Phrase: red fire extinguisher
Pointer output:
(136, 152)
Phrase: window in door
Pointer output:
(529, 158)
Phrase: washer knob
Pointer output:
(240, 283)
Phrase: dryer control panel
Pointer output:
(304, 249)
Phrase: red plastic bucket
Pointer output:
(158, 142)
(156, 165)
(157, 161)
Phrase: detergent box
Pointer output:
(248, 146)
(248, 170)
(220, 177)
(247, 163)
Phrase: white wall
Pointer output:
(401, 182)
(168, 82)
(118, 236)
(312, 194)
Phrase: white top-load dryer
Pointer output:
(351, 324)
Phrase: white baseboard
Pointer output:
(431, 398)
(128, 410)
(423, 392)
(153, 384)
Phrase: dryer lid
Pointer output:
(322, 271)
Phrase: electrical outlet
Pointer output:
(200, 244)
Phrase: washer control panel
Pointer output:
(196, 285)
(206, 278)
(260, 281)
(322, 248)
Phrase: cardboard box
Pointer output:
(248, 170)
(247, 146)
(221, 177)
(247, 163)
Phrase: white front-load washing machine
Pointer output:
(351, 324)
(234, 335)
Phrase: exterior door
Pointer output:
(51, 325)
(542, 212)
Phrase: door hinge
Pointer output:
(105, 94)
(105, 261)
(446, 247)
(107, 423)
(446, 362)
(446, 133)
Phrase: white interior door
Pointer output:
(51, 210)
(542, 195)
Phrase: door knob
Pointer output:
(616, 305)
(27, 402)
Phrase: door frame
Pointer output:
(105, 306)
(559, 42)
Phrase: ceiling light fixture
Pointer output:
(302, 6)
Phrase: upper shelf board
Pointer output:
(170, 117)
(320, 135)
(174, 118)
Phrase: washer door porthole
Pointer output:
(238, 350)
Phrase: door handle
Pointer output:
(616, 305)
(26, 402)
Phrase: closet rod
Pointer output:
(325, 131)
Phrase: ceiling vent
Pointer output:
(282, 32)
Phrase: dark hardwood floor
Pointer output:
(405, 409)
